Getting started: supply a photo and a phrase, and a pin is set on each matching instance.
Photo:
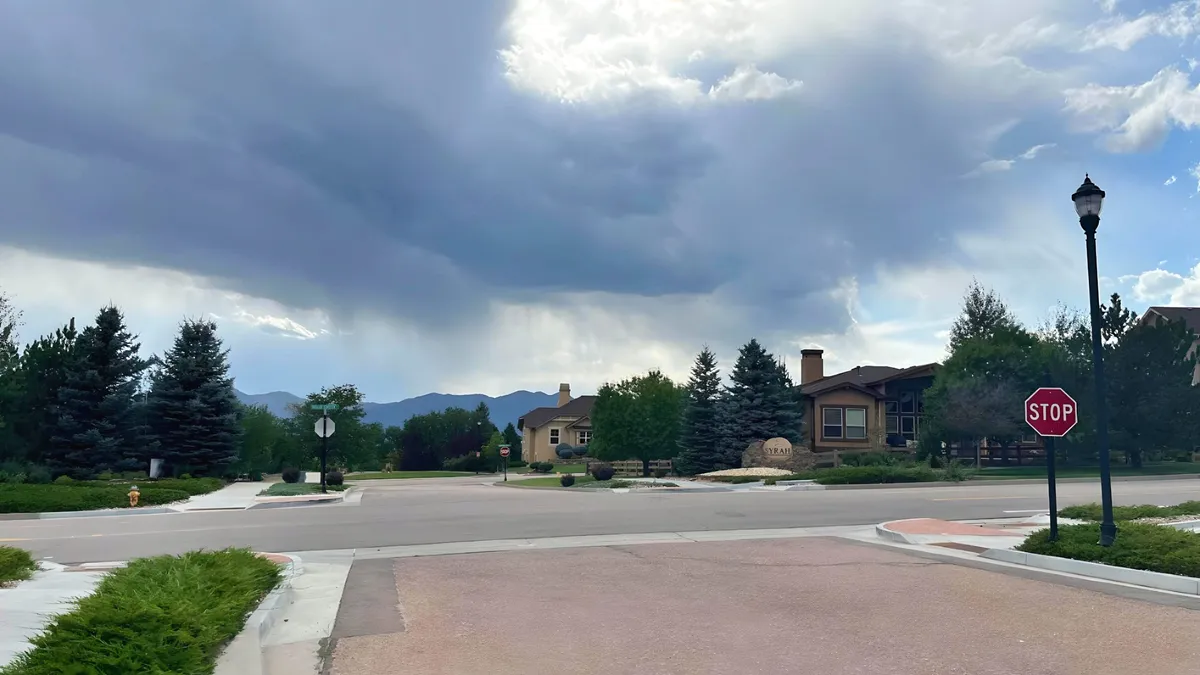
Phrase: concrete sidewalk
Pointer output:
(232, 497)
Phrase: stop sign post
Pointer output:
(1052, 413)
(505, 450)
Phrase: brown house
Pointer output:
(862, 408)
(1190, 316)
(542, 429)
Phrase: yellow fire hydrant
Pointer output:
(133, 495)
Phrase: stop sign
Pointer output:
(1051, 412)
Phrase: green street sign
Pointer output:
(324, 406)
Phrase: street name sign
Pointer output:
(1051, 412)
(325, 407)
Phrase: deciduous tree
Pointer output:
(639, 418)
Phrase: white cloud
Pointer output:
(1169, 181)
(1137, 117)
(1195, 173)
(748, 83)
(1161, 287)
(1179, 20)
(995, 165)
(1033, 152)
(607, 50)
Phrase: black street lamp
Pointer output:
(1088, 201)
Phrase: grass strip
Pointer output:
(15, 565)
(1093, 512)
(398, 475)
(295, 489)
(552, 481)
(162, 615)
(1139, 546)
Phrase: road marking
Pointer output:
(1027, 511)
(14, 540)
(970, 499)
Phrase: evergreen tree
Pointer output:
(759, 403)
(193, 404)
(700, 433)
(513, 439)
(11, 389)
(45, 365)
(92, 432)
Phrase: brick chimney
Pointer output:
(812, 366)
(564, 394)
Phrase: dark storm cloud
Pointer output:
(372, 157)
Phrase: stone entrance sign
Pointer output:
(777, 448)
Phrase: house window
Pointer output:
(554, 437)
(831, 422)
(908, 427)
(848, 423)
(908, 403)
(585, 437)
(893, 424)
(892, 407)
(856, 423)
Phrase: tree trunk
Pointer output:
(1135, 458)
(645, 468)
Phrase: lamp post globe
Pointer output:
(1089, 199)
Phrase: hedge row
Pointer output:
(1093, 511)
(25, 498)
(168, 614)
(1138, 546)
(192, 486)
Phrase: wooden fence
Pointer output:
(633, 467)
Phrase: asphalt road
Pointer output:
(395, 513)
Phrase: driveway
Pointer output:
(740, 608)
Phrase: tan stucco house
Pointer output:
(542, 429)
(863, 406)
(1190, 316)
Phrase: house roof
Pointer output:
(863, 378)
(1189, 315)
(576, 407)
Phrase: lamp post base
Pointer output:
(1108, 533)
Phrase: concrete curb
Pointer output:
(244, 654)
(1124, 575)
(1015, 481)
(882, 531)
(279, 502)
(1185, 525)
(87, 514)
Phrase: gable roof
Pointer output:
(862, 378)
(1190, 316)
(576, 407)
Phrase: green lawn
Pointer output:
(552, 481)
(294, 489)
(558, 468)
(397, 475)
(1161, 469)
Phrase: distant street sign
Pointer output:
(324, 427)
(1051, 412)
(504, 451)
(325, 406)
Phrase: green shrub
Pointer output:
(255, 476)
(192, 486)
(186, 476)
(1093, 511)
(334, 478)
(735, 480)
(620, 483)
(660, 473)
(770, 481)
(13, 478)
(64, 480)
(957, 471)
(165, 614)
(291, 475)
(469, 462)
(602, 471)
(38, 475)
(566, 480)
(50, 498)
(15, 565)
(106, 475)
(541, 467)
(1139, 546)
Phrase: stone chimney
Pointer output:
(564, 394)
(812, 366)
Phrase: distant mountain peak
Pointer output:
(504, 409)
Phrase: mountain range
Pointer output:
(504, 409)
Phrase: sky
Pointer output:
(477, 196)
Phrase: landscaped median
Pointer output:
(167, 614)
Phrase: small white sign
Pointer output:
(324, 427)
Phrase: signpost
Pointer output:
(1052, 413)
(324, 429)
(505, 450)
